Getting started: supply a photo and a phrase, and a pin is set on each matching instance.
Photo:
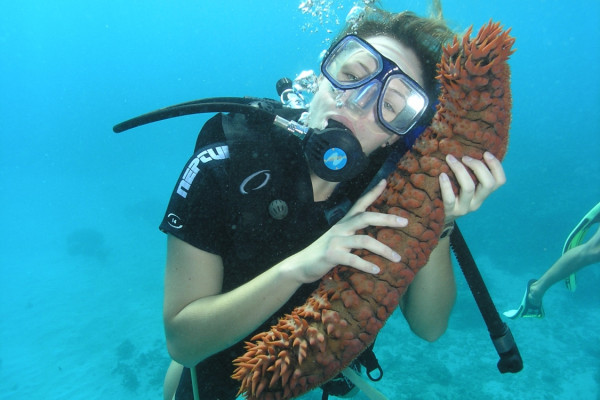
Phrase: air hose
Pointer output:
(510, 358)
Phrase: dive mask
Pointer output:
(365, 77)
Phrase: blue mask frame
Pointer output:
(386, 69)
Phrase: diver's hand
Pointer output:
(334, 246)
(490, 175)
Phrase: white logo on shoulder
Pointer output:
(214, 153)
(256, 181)
(174, 221)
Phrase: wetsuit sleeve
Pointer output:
(196, 212)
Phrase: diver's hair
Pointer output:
(426, 36)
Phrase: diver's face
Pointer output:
(364, 126)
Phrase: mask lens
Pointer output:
(401, 104)
(351, 64)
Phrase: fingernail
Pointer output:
(444, 177)
(402, 220)
(375, 269)
(467, 159)
(488, 156)
(396, 257)
(451, 159)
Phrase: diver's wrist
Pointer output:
(447, 230)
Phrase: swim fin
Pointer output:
(526, 309)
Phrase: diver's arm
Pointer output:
(429, 299)
(428, 302)
(201, 321)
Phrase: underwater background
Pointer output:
(81, 256)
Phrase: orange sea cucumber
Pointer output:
(342, 317)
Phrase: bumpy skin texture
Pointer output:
(343, 316)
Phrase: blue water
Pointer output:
(81, 256)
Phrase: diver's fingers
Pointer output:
(486, 182)
(362, 242)
(489, 174)
(467, 187)
(495, 168)
(354, 261)
(348, 226)
(367, 199)
(448, 196)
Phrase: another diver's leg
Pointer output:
(569, 263)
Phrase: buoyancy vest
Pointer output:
(272, 213)
(268, 191)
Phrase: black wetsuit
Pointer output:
(220, 204)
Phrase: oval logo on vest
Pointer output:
(256, 181)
